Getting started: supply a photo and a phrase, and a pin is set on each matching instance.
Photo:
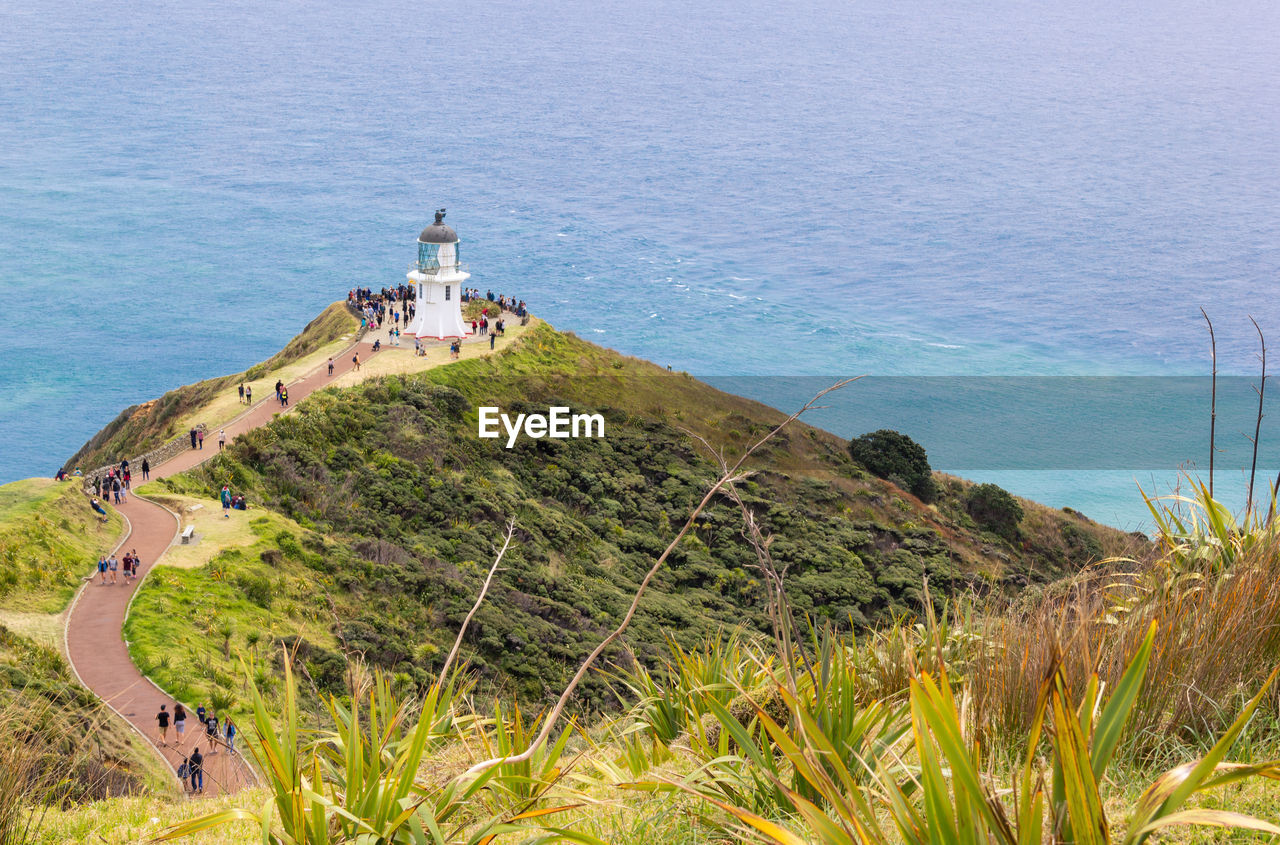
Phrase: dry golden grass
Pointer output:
(127, 821)
(226, 406)
(399, 360)
(45, 628)
(213, 532)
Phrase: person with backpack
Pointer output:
(229, 731)
(184, 774)
(196, 764)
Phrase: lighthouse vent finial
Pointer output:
(439, 215)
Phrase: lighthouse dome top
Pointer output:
(438, 232)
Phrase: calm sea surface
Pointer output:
(737, 189)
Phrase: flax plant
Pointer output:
(951, 794)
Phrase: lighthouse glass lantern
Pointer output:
(437, 280)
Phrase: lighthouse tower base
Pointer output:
(437, 307)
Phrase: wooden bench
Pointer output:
(187, 534)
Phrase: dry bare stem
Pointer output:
(728, 477)
(457, 643)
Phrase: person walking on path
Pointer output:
(184, 774)
(355, 359)
(114, 566)
(146, 469)
(200, 435)
(226, 503)
(193, 438)
(211, 731)
(279, 387)
(179, 721)
(330, 366)
(222, 439)
(102, 569)
(241, 386)
(284, 397)
(196, 762)
(248, 394)
(229, 731)
(162, 719)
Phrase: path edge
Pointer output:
(128, 608)
(66, 654)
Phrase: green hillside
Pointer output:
(60, 742)
(402, 507)
(49, 539)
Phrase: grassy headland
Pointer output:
(49, 541)
(399, 508)
(142, 427)
(376, 512)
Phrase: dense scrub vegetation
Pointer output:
(405, 505)
(1065, 718)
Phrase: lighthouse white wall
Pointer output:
(438, 308)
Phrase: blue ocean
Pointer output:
(751, 189)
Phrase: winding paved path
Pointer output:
(95, 645)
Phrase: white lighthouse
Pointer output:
(437, 278)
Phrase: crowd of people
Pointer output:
(392, 309)
(389, 306)
(504, 303)
(216, 733)
(114, 486)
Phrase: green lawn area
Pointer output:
(227, 602)
(49, 541)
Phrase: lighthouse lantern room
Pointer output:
(437, 279)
